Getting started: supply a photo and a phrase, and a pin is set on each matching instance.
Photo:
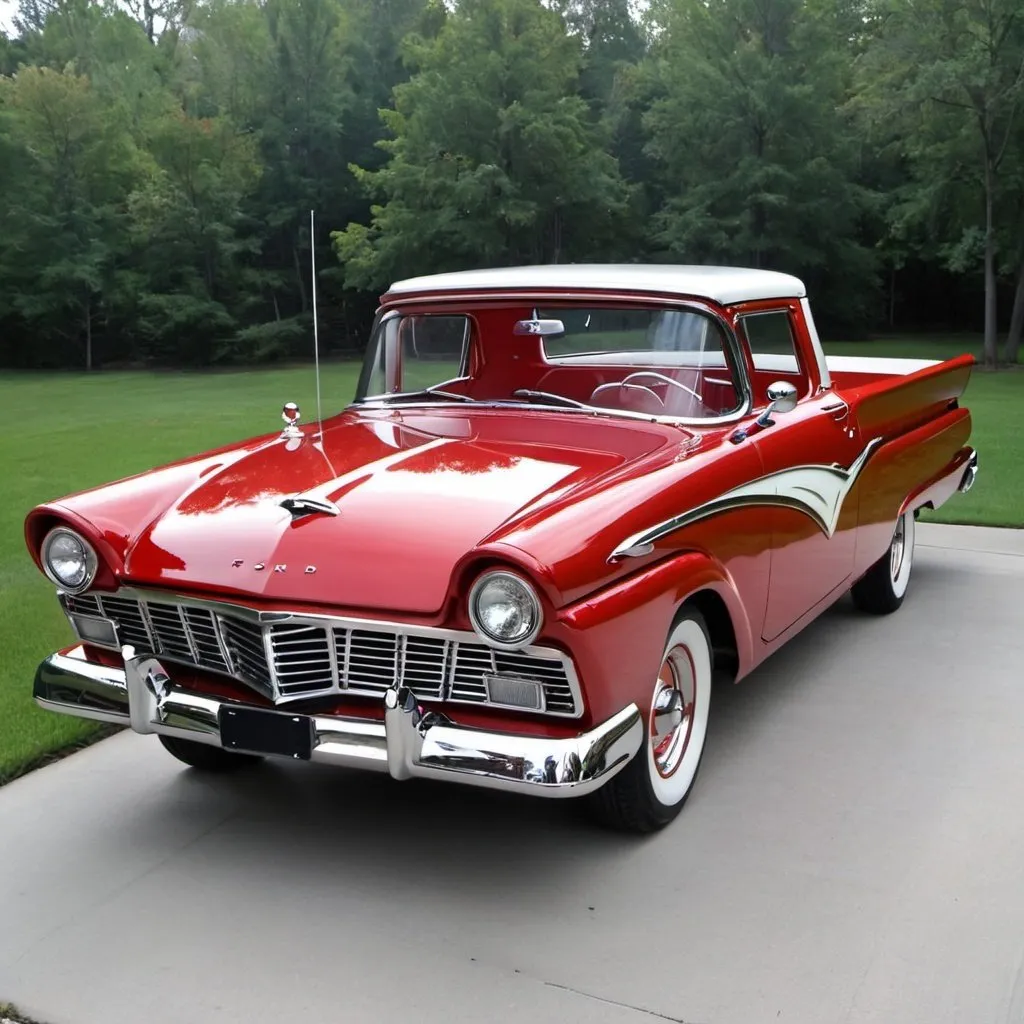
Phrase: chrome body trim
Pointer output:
(410, 742)
(454, 641)
(824, 377)
(300, 505)
(816, 491)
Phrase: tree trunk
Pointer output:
(1016, 319)
(88, 334)
(300, 279)
(991, 336)
(557, 238)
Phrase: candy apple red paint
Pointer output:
(563, 506)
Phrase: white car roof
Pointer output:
(724, 285)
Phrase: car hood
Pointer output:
(415, 493)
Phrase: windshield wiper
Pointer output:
(547, 398)
(404, 396)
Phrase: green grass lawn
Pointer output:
(65, 432)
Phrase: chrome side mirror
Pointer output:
(782, 396)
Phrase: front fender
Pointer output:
(618, 634)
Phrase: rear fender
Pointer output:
(899, 403)
(919, 467)
(944, 484)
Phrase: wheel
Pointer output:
(207, 758)
(881, 590)
(651, 790)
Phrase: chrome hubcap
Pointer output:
(672, 711)
(897, 550)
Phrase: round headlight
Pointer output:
(69, 560)
(504, 610)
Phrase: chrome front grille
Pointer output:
(288, 657)
(243, 644)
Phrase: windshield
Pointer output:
(410, 353)
(674, 362)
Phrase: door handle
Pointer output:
(837, 410)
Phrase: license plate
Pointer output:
(253, 731)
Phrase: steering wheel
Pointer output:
(637, 397)
(664, 380)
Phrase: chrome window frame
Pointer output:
(824, 377)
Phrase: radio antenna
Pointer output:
(316, 336)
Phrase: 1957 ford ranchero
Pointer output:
(565, 503)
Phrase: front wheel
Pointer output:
(651, 790)
(882, 589)
(205, 757)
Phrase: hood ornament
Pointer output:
(291, 416)
(300, 506)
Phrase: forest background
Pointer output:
(159, 159)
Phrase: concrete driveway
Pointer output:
(854, 852)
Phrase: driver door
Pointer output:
(811, 457)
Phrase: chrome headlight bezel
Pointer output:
(92, 561)
(534, 599)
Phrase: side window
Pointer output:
(773, 348)
(409, 353)
(434, 350)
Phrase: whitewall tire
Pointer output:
(882, 589)
(651, 790)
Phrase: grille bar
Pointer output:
(302, 657)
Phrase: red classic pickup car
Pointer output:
(565, 504)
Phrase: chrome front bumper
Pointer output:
(409, 742)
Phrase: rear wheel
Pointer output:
(882, 589)
(651, 790)
(207, 758)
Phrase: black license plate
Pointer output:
(266, 732)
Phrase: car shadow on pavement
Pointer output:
(462, 839)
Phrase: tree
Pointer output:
(190, 246)
(944, 82)
(494, 158)
(307, 78)
(756, 163)
(73, 164)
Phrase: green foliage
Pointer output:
(160, 159)
(494, 158)
(185, 224)
(942, 88)
(74, 164)
(756, 165)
